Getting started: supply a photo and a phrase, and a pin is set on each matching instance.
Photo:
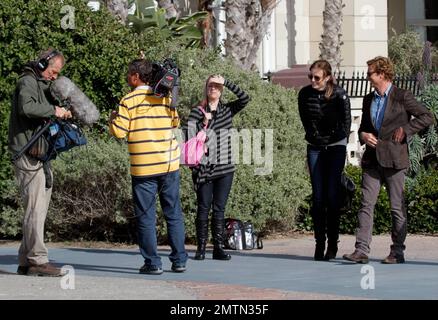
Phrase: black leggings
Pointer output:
(214, 192)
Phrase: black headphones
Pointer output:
(43, 63)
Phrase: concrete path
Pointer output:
(283, 270)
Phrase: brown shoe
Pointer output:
(393, 259)
(357, 257)
(44, 270)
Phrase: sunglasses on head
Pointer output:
(311, 76)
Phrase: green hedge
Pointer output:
(421, 200)
(406, 51)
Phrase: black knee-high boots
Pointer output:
(218, 229)
(202, 238)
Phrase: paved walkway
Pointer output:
(283, 270)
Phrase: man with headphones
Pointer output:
(31, 104)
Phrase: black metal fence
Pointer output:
(358, 86)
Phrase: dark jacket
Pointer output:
(400, 108)
(31, 102)
(325, 120)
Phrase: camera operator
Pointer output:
(32, 103)
(147, 119)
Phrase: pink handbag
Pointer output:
(194, 149)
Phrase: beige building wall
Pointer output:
(298, 29)
(287, 41)
(364, 32)
(396, 17)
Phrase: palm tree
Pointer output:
(330, 44)
(170, 7)
(207, 25)
(246, 25)
(119, 9)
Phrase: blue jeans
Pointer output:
(326, 165)
(144, 190)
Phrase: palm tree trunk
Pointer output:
(119, 9)
(207, 25)
(170, 7)
(246, 25)
(330, 44)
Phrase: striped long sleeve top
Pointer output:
(147, 122)
(218, 160)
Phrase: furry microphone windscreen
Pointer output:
(65, 91)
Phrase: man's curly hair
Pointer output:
(382, 65)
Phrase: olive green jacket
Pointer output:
(30, 104)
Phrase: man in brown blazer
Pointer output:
(389, 116)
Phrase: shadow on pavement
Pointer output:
(256, 254)
(9, 259)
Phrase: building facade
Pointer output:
(296, 28)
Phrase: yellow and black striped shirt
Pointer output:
(147, 121)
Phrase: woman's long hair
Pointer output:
(326, 68)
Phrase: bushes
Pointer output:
(10, 208)
(423, 147)
(405, 51)
(91, 196)
(421, 200)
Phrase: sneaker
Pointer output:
(178, 267)
(44, 270)
(148, 269)
(22, 270)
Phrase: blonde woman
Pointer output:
(214, 176)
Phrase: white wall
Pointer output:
(287, 40)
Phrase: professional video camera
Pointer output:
(165, 77)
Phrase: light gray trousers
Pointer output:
(36, 199)
(372, 180)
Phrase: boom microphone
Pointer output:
(68, 94)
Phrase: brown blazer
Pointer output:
(402, 110)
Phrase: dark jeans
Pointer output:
(214, 192)
(326, 165)
(144, 190)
